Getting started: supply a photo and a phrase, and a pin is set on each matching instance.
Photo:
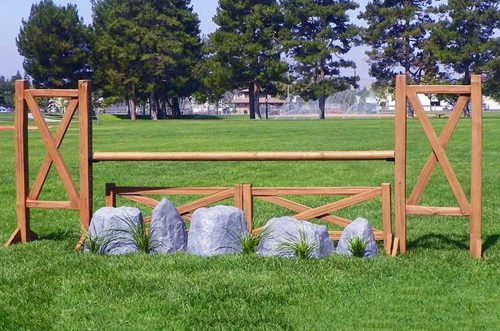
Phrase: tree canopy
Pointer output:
(54, 42)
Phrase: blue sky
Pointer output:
(13, 11)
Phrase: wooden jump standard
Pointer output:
(81, 200)
(408, 94)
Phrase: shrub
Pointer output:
(300, 246)
(357, 246)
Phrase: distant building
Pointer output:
(241, 102)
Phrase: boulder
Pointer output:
(279, 232)
(362, 229)
(110, 231)
(167, 233)
(216, 231)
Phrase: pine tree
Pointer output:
(320, 35)
(55, 45)
(397, 33)
(247, 44)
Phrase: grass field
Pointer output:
(45, 285)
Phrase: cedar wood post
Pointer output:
(85, 123)
(476, 166)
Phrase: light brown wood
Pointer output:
(85, 128)
(238, 196)
(52, 150)
(400, 162)
(335, 235)
(110, 198)
(22, 164)
(47, 162)
(42, 204)
(476, 167)
(263, 191)
(337, 205)
(386, 217)
(248, 206)
(440, 155)
(14, 238)
(150, 202)
(244, 156)
(223, 195)
(439, 89)
(299, 208)
(124, 190)
(432, 161)
(7, 128)
(431, 210)
(395, 246)
(56, 93)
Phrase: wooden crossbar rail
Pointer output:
(245, 156)
(440, 89)
(7, 128)
(52, 93)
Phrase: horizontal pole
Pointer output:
(272, 191)
(440, 89)
(245, 156)
(7, 128)
(124, 190)
(430, 211)
(50, 204)
(53, 93)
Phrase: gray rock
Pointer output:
(362, 229)
(284, 230)
(167, 233)
(111, 229)
(216, 231)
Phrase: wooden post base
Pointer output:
(476, 248)
(395, 247)
(80, 243)
(17, 238)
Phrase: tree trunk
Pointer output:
(321, 103)
(133, 105)
(176, 109)
(153, 109)
(267, 106)
(467, 82)
(251, 103)
(256, 100)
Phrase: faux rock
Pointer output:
(216, 231)
(362, 229)
(167, 232)
(110, 231)
(282, 231)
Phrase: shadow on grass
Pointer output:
(490, 241)
(439, 241)
(58, 235)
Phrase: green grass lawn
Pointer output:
(437, 285)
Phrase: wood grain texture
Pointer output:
(476, 167)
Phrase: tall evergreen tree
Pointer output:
(397, 33)
(146, 51)
(246, 42)
(320, 34)
(55, 45)
(465, 39)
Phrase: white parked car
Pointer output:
(5, 110)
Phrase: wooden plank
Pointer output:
(47, 162)
(122, 190)
(244, 156)
(476, 167)
(142, 200)
(223, 195)
(22, 163)
(297, 207)
(85, 132)
(386, 217)
(431, 211)
(42, 204)
(440, 155)
(52, 150)
(14, 238)
(7, 128)
(248, 205)
(337, 205)
(53, 93)
(432, 161)
(400, 162)
(238, 196)
(110, 198)
(395, 247)
(439, 89)
(263, 191)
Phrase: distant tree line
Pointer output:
(151, 51)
